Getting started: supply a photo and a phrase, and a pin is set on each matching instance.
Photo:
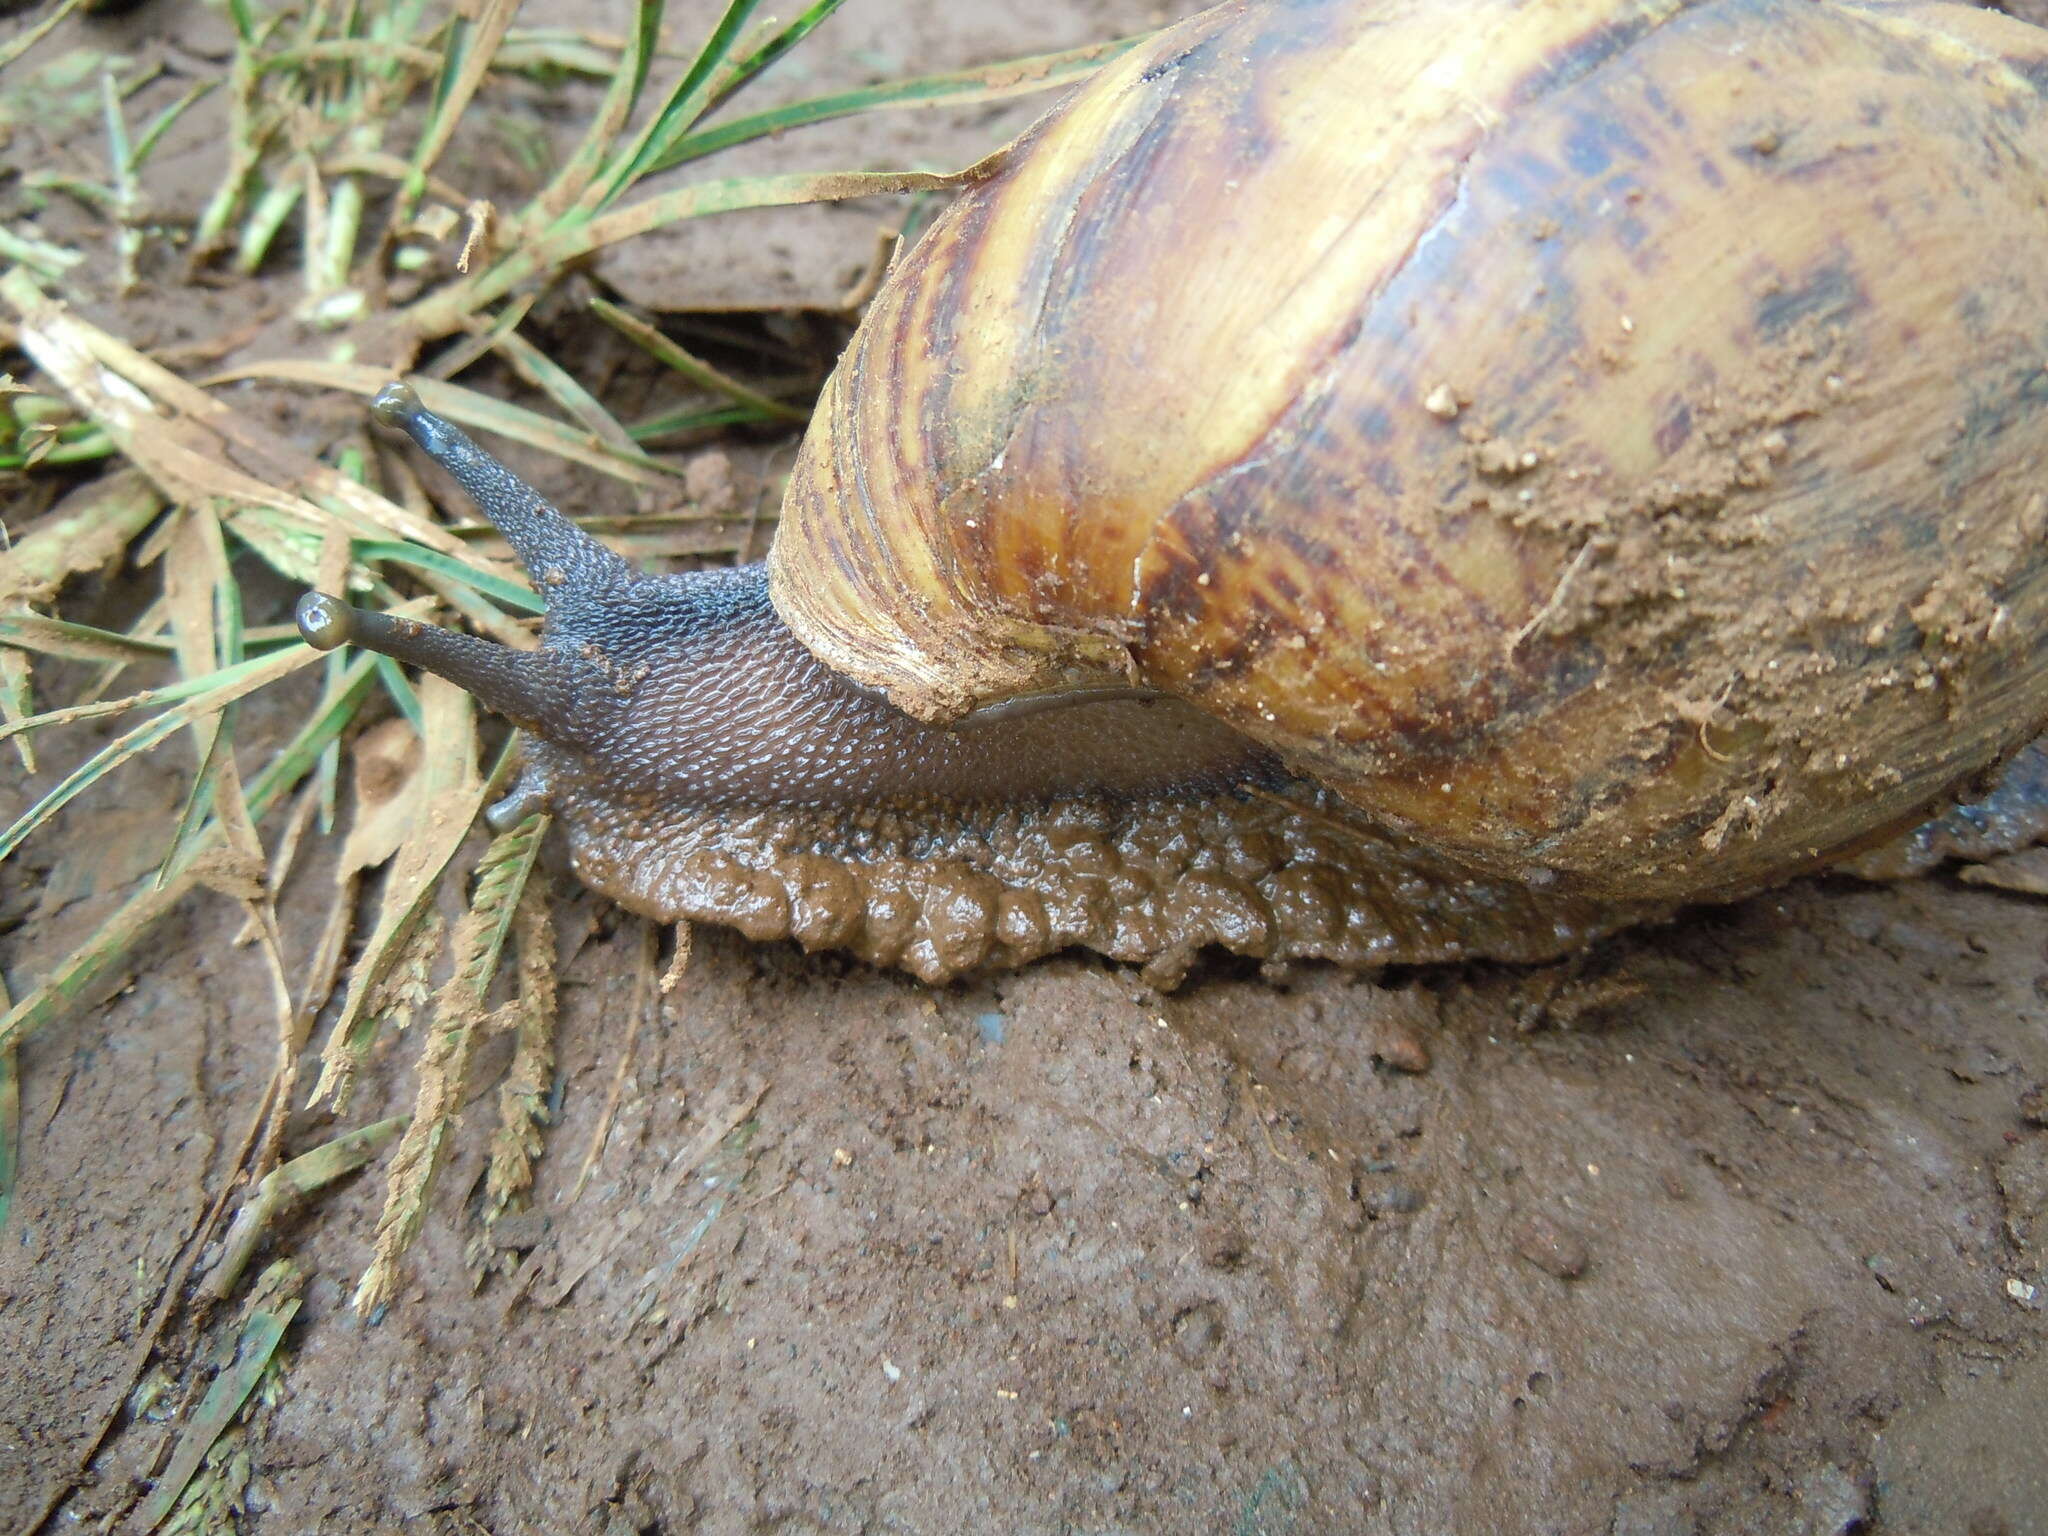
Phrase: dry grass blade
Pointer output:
(472, 45)
(15, 47)
(523, 1096)
(733, 193)
(73, 642)
(195, 447)
(17, 703)
(269, 1313)
(285, 1186)
(982, 83)
(472, 409)
(87, 531)
(673, 354)
(459, 1016)
(72, 978)
(450, 795)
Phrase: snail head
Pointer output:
(653, 693)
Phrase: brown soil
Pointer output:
(1737, 1227)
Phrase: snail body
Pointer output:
(1349, 487)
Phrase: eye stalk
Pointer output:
(570, 567)
(527, 687)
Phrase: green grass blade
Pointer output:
(464, 61)
(560, 386)
(682, 109)
(402, 692)
(748, 69)
(262, 1332)
(159, 125)
(628, 82)
(506, 594)
(987, 82)
(247, 677)
(675, 423)
(73, 977)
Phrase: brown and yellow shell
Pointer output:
(1604, 440)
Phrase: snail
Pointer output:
(1348, 484)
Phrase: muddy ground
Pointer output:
(1741, 1228)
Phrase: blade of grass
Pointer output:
(285, 1186)
(47, 261)
(523, 1096)
(509, 594)
(465, 58)
(628, 82)
(147, 141)
(193, 446)
(247, 678)
(470, 408)
(73, 977)
(674, 423)
(727, 195)
(448, 309)
(15, 47)
(17, 701)
(121, 177)
(560, 386)
(449, 796)
(75, 642)
(87, 531)
(270, 1312)
(749, 68)
(267, 218)
(958, 88)
(501, 881)
(671, 353)
(684, 105)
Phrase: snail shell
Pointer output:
(1471, 487)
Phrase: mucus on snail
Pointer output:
(1352, 486)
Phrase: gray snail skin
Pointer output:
(1345, 488)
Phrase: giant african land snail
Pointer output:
(1473, 476)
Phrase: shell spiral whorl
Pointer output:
(1599, 437)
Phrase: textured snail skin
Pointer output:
(1602, 437)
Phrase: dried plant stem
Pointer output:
(458, 1020)
(523, 1097)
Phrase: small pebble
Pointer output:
(1398, 1029)
(1554, 1249)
